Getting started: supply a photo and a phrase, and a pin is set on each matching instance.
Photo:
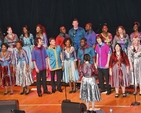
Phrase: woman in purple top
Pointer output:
(89, 91)
(122, 38)
(136, 32)
(102, 61)
(90, 35)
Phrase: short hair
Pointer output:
(21, 43)
(28, 32)
(90, 24)
(86, 57)
(61, 27)
(36, 41)
(99, 36)
(75, 19)
(5, 44)
(51, 38)
(66, 39)
(105, 24)
(84, 39)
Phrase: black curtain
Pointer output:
(54, 13)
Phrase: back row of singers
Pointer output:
(76, 33)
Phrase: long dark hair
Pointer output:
(5, 44)
(1, 35)
(28, 32)
(121, 51)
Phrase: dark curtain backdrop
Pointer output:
(54, 13)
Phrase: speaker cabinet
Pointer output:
(73, 107)
(7, 105)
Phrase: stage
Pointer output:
(52, 103)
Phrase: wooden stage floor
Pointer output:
(52, 103)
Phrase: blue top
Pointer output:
(54, 57)
(91, 38)
(86, 50)
(19, 57)
(27, 41)
(39, 55)
(76, 36)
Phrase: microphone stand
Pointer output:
(65, 84)
(135, 103)
(66, 100)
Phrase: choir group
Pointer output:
(70, 56)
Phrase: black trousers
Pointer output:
(59, 77)
(41, 77)
(104, 73)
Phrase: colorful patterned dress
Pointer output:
(118, 64)
(107, 39)
(6, 71)
(28, 45)
(20, 60)
(70, 74)
(132, 35)
(11, 41)
(124, 42)
(136, 58)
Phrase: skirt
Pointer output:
(115, 79)
(23, 78)
(6, 79)
(28, 50)
(89, 91)
(70, 74)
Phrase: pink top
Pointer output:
(102, 51)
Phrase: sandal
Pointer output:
(74, 91)
(70, 91)
(5, 93)
(116, 95)
(124, 95)
(27, 92)
(11, 93)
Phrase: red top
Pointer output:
(60, 40)
(123, 59)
